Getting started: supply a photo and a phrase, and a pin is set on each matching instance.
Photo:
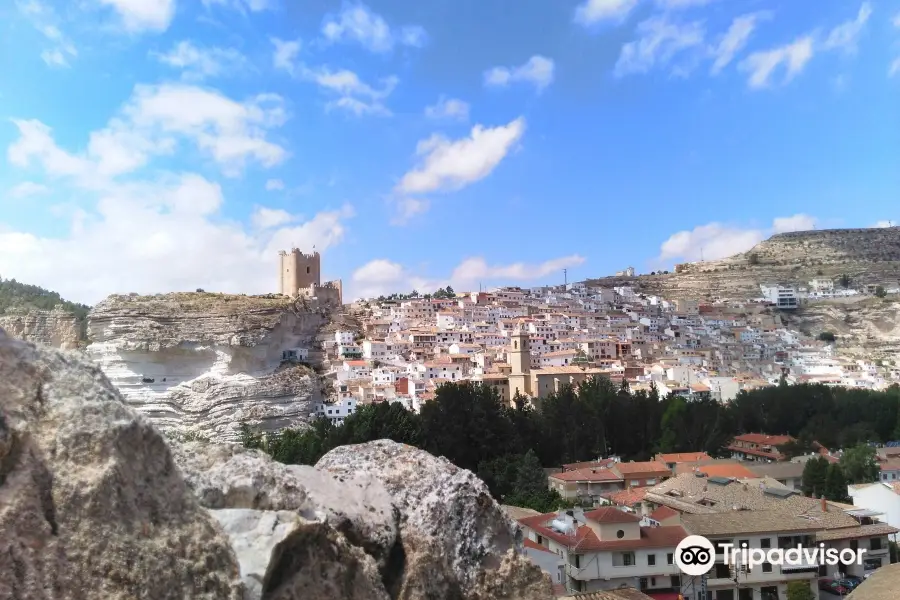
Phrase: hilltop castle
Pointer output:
(299, 274)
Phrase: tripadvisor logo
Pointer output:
(696, 555)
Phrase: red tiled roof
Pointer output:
(584, 539)
(611, 514)
(728, 470)
(651, 467)
(627, 497)
(890, 465)
(763, 439)
(588, 475)
(662, 513)
(356, 363)
(595, 464)
(680, 457)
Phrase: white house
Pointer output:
(295, 354)
(375, 349)
(343, 337)
(336, 411)
(784, 297)
(880, 497)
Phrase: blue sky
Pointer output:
(160, 145)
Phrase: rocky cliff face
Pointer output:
(204, 363)
(96, 505)
(57, 328)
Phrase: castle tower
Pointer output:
(298, 270)
(520, 361)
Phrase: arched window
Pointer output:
(307, 270)
(515, 345)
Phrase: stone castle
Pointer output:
(300, 274)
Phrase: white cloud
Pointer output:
(407, 208)
(274, 185)
(448, 108)
(590, 12)
(734, 40)
(714, 241)
(285, 54)
(894, 68)
(44, 20)
(884, 224)
(896, 20)
(798, 222)
(199, 63)
(27, 189)
(846, 35)
(446, 165)
(267, 218)
(538, 70)
(357, 23)
(242, 5)
(352, 94)
(153, 237)
(143, 15)
(681, 4)
(761, 65)
(659, 40)
(152, 123)
(382, 277)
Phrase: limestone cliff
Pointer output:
(58, 328)
(866, 255)
(204, 363)
(95, 504)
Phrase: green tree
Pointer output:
(844, 281)
(753, 259)
(836, 484)
(799, 590)
(859, 464)
(880, 291)
(826, 336)
(815, 473)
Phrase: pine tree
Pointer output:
(835, 484)
(815, 474)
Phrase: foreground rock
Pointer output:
(202, 363)
(457, 542)
(404, 524)
(91, 504)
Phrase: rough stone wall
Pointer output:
(57, 328)
(205, 363)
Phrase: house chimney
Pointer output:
(824, 505)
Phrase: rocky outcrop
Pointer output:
(457, 542)
(867, 255)
(96, 505)
(58, 328)
(91, 504)
(203, 363)
(423, 528)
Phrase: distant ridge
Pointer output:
(870, 255)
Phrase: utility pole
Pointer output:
(565, 277)
(701, 253)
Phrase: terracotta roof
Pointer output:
(355, 363)
(845, 533)
(763, 439)
(663, 512)
(588, 474)
(627, 497)
(725, 470)
(588, 464)
(611, 514)
(890, 465)
(652, 467)
(680, 457)
(584, 539)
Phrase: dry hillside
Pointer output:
(866, 255)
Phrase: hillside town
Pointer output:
(532, 341)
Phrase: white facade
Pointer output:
(343, 338)
(783, 297)
(881, 498)
(337, 411)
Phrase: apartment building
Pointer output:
(608, 549)
(758, 446)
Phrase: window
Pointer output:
(620, 534)
(670, 559)
(741, 543)
(651, 559)
(766, 567)
(854, 544)
(623, 559)
(875, 544)
(676, 581)
(765, 543)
